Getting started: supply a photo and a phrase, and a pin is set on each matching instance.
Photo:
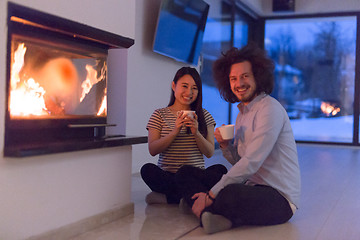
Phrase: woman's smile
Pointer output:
(187, 98)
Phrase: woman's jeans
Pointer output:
(164, 182)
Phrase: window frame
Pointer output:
(355, 141)
(256, 24)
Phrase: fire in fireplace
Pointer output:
(49, 82)
(56, 79)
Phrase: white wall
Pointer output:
(41, 193)
(149, 79)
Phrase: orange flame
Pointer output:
(17, 64)
(328, 109)
(29, 98)
(26, 98)
(103, 107)
(91, 79)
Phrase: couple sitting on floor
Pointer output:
(263, 185)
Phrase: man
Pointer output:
(263, 185)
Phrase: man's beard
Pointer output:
(247, 98)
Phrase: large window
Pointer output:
(315, 75)
(217, 39)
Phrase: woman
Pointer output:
(179, 140)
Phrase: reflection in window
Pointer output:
(315, 75)
(217, 39)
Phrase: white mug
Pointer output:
(189, 113)
(227, 131)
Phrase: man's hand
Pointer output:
(202, 201)
(223, 143)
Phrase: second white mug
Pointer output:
(227, 131)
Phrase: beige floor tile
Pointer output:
(329, 210)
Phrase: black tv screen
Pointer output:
(180, 29)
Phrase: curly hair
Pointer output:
(262, 68)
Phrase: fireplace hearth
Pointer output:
(56, 84)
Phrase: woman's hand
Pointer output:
(202, 201)
(192, 123)
(179, 122)
(158, 144)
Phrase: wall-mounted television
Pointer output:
(180, 29)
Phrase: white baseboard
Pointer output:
(85, 225)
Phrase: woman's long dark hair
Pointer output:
(261, 66)
(197, 104)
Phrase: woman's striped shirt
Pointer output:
(183, 150)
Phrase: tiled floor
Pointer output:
(330, 206)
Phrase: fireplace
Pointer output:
(56, 81)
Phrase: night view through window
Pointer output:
(315, 75)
